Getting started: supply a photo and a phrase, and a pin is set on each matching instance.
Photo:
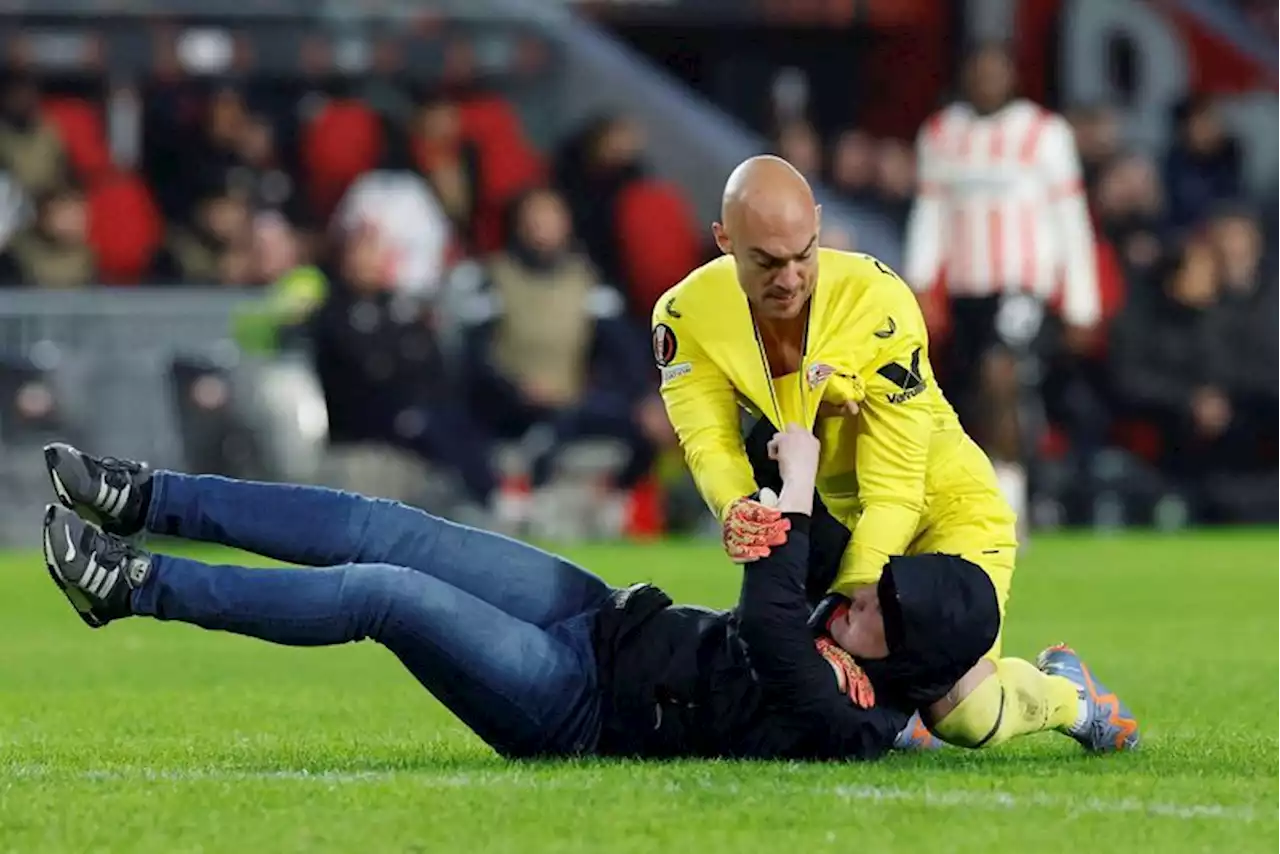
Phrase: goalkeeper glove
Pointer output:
(850, 678)
(751, 528)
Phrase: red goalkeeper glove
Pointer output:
(751, 529)
(849, 676)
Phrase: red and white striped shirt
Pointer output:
(1001, 208)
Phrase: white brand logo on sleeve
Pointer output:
(672, 372)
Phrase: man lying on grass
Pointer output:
(536, 655)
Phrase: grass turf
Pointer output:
(150, 737)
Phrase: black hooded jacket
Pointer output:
(749, 682)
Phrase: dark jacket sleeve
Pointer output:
(799, 687)
(828, 536)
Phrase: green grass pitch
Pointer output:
(165, 738)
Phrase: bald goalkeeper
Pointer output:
(835, 341)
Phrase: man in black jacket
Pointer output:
(383, 375)
(537, 656)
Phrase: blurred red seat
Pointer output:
(508, 163)
(340, 143)
(658, 240)
(124, 227)
(80, 127)
(489, 117)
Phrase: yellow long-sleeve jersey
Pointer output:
(903, 475)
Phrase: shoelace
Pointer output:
(113, 552)
(117, 472)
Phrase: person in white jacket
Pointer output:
(409, 219)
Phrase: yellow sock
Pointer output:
(1015, 700)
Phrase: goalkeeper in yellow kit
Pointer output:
(835, 341)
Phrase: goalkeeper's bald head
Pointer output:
(769, 224)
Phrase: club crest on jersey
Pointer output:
(817, 374)
(664, 345)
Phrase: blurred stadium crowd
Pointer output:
(455, 285)
(458, 287)
(1182, 372)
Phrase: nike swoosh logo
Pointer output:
(887, 332)
(71, 548)
(671, 308)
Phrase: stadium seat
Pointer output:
(508, 164)
(125, 228)
(341, 142)
(658, 239)
(489, 117)
(79, 126)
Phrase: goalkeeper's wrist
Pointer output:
(796, 498)
(728, 508)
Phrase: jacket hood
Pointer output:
(941, 616)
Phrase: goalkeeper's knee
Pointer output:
(1002, 700)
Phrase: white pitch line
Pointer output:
(928, 797)
(1005, 801)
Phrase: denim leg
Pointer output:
(523, 689)
(314, 526)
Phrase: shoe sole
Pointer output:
(60, 489)
(69, 590)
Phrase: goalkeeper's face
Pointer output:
(860, 630)
(777, 260)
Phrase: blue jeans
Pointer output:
(498, 631)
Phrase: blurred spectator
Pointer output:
(592, 169)
(853, 167)
(1245, 338)
(1203, 164)
(399, 205)
(382, 373)
(799, 145)
(1129, 206)
(292, 290)
(1097, 131)
(638, 230)
(54, 252)
(30, 149)
(1165, 363)
(258, 172)
(448, 162)
(275, 247)
(213, 248)
(895, 181)
(216, 152)
(550, 347)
